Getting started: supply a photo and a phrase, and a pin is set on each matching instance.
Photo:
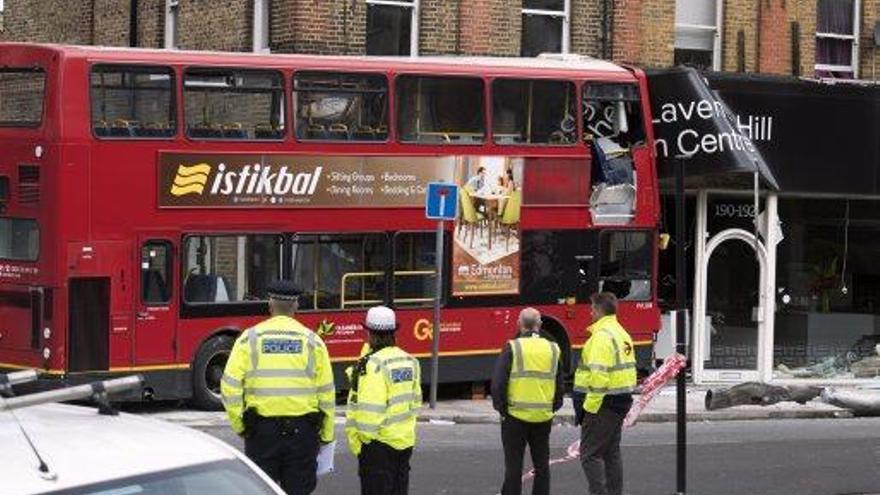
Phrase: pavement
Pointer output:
(661, 410)
(758, 457)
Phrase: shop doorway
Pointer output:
(733, 304)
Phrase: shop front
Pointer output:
(795, 294)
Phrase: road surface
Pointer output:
(784, 457)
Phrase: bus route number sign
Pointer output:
(441, 201)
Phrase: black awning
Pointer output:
(691, 121)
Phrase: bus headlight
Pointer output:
(46, 353)
(47, 333)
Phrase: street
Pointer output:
(772, 457)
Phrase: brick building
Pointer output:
(830, 38)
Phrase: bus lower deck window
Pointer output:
(132, 102)
(234, 104)
(341, 107)
(440, 110)
(19, 239)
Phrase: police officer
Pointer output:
(279, 394)
(603, 387)
(527, 389)
(385, 395)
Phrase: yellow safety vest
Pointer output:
(532, 385)
(608, 363)
(279, 368)
(385, 405)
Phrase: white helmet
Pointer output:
(381, 319)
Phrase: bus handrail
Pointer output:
(408, 273)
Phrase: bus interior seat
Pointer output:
(266, 131)
(364, 133)
(101, 128)
(609, 164)
(234, 131)
(317, 131)
(206, 288)
(338, 131)
(124, 128)
(205, 131)
(154, 288)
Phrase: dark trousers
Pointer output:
(600, 451)
(515, 435)
(383, 470)
(286, 449)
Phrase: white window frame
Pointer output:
(172, 18)
(717, 29)
(415, 13)
(565, 14)
(1, 6)
(854, 38)
(262, 29)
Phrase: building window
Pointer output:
(698, 27)
(392, 27)
(837, 39)
(545, 27)
(261, 26)
(172, 11)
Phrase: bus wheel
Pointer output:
(208, 371)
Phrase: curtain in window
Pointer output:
(834, 16)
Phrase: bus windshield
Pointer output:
(21, 97)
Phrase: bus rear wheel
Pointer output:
(208, 371)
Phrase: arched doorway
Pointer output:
(730, 308)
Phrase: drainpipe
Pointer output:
(132, 24)
(759, 15)
(607, 23)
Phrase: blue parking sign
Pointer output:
(441, 202)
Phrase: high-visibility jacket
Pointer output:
(279, 368)
(384, 407)
(532, 385)
(608, 363)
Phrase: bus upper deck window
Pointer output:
(440, 110)
(613, 111)
(533, 112)
(341, 107)
(21, 97)
(233, 104)
(132, 102)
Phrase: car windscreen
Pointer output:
(230, 477)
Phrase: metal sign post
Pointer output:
(681, 328)
(441, 203)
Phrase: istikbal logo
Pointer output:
(190, 180)
(255, 179)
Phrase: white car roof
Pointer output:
(82, 447)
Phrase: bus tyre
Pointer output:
(208, 371)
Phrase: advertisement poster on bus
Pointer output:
(486, 247)
(296, 181)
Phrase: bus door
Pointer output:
(156, 306)
(98, 305)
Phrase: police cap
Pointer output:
(381, 319)
(283, 290)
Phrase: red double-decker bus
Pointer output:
(148, 197)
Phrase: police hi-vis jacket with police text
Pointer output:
(608, 363)
(385, 404)
(279, 368)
